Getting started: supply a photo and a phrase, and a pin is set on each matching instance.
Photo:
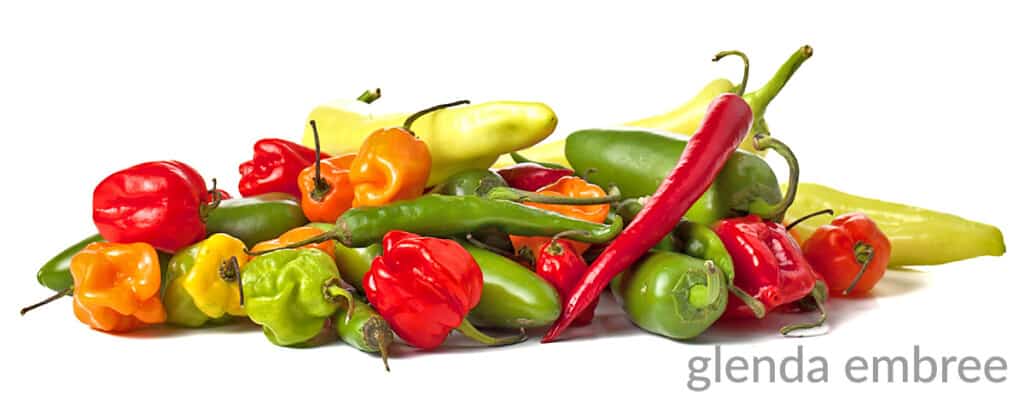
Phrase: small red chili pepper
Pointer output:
(275, 167)
(532, 176)
(424, 287)
(560, 265)
(160, 203)
(725, 125)
(851, 253)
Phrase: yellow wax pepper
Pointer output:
(213, 280)
(459, 138)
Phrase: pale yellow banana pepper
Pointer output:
(205, 282)
(918, 236)
(686, 118)
(459, 138)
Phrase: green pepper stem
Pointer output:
(863, 253)
(480, 244)
(334, 292)
(316, 239)
(742, 87)
(320, 186)
(519, 158)
(777, 211)
(369, 95)
(206, 208)
(713, 284)
(818, 296)
(377, 334)
(797, 222)
(756, 307)
(48, 299)
(467, 329)
(760, 98)
(408, 121)
(518, 195)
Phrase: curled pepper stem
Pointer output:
(518, 195)
(797, 222)
(369, 95)
(760, 98)
(51, 298)
(777, 211)
(206, 208)
(756, 307)
(320, 186)
(863, 253)
(817, 299)
(231, 272)
(415, 116)
(742, 87)
(467, 329)
(519, 158)
(316, 239)
(333, 291)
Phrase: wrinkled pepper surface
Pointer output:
(117, 286)
(573, 187)
(201, 284)
(274, 167)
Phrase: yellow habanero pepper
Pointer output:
(686, 118)
(213, 280)
(459, 138)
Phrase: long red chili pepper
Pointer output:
(726, 123)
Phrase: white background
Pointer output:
(913, 103)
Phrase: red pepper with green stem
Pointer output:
(559, 264)
(723, 128)
(275, 167)
(851, 253)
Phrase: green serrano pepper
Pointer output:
(447, 216)
(513, 296)
(256, 219)
(365, 330)
(56, 273)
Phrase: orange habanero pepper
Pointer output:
(117, 286)
(325, 186)
(392, 164)
(292, 236)
(573, 187)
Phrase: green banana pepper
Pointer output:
(513, 296)
(673, 295)
(56, 273)
(637, 162)
(293, 294)
(256, 219)
(366, 331)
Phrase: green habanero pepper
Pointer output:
(513, 297)
(637, 161)
(455, 216)
(672, 294)
(56, 273)
(293, 294)
(366, 331)
(256, 219)
(476, 182)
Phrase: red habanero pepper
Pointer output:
(725, 125)
(275, 167)
(424, 288)
(559, 264)
(161, 203)
(532, 176)
(850, 253)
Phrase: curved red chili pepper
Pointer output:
(725, 125)
(275, 167)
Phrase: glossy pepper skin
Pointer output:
(117, 286)
(274, 167)
(424, 287)
(532, 176)
(292, 293)
(460, 138)
(213, 280)
(573, 187)
(55, 274)
(769, 263)
(850, 253)
(918, 236)
(179, 301)
(559, 264)
(298, 234)
(638, 161)
(672, 294)
(326, 186)
(513, 297)
(366, 331)
(686, 118)
(257, 218)
(161, 203)
(471, 182)
(726, 122)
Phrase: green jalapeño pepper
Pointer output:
(513, 297)
(637, 162)
(477, 181)
(293, 294)
(673, 295)
(256, 219)
(56, 273)
(366, 331)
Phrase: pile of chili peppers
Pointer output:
(365, 247)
